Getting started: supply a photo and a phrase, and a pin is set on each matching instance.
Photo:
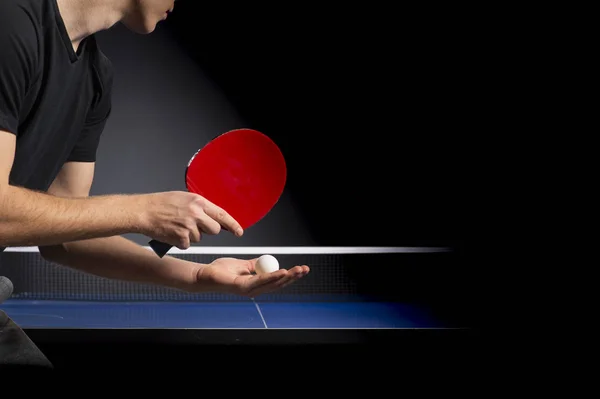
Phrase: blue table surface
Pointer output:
(243, 314)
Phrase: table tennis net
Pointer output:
(334, 276)
(34, 278)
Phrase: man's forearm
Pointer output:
(29, 218)
(121, 259)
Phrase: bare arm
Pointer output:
(113, 257)
(118, 258)
(33, 218)
(65, 214)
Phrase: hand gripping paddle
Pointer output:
(242, 171)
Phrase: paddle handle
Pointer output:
(160, 248)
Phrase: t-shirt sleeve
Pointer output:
(18, 60)
(85, 149)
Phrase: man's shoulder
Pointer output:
(21, 33)
(101, 64)
(22, 19)
(21, 14)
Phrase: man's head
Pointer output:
(143, 15)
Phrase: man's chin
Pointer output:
(142, 29)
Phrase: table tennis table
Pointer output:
(68, 307)
(305, 329)
(335, 313)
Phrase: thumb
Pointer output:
(252, 264)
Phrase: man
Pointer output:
(55, 98)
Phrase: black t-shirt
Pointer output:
(55, 100)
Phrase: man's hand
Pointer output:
(66, 213)
(180, 218)
(236, 276)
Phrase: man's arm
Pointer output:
(113, 257)
(32, 218)
(29, 218)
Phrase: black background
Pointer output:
(371, 108)
(377, 111)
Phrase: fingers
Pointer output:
(209, 225)
(195, 235)
(294, 274)
(274, 281)
(222, 218)
(252, 265)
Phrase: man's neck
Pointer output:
(83, 18)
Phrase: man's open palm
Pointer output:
(237, 276)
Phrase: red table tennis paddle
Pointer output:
(243, 171)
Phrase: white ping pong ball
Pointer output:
(266, 264)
